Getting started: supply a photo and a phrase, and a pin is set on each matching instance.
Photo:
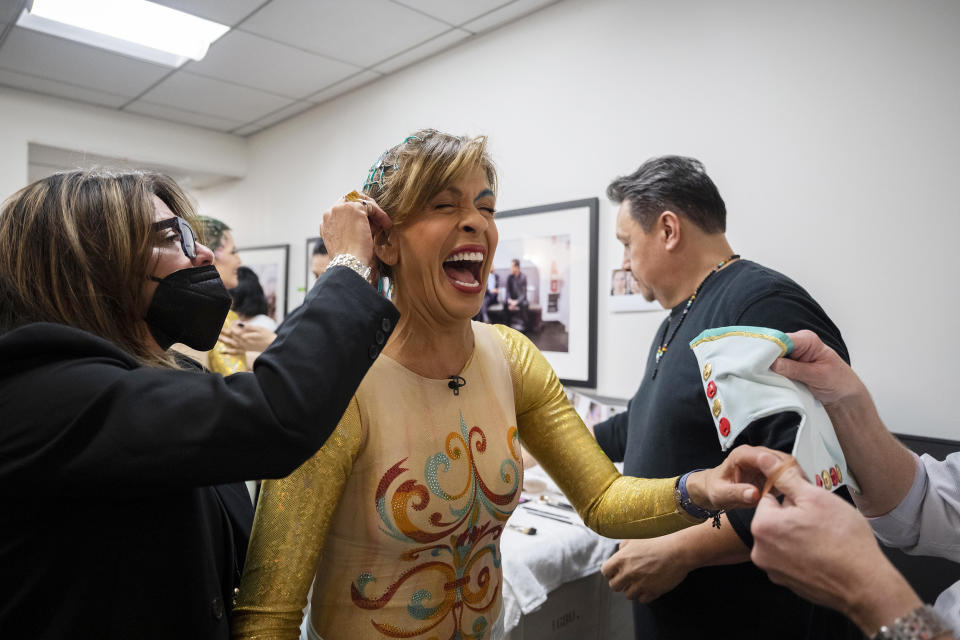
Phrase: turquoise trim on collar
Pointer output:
(758, 332)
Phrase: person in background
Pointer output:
(820, 547)
(250, 302)
(238, 497)
(250, 305)
(672, 223)
(517, 302)
(247, 339)
(108, 449)
(222, 358)
(320, 259)
(254, 330)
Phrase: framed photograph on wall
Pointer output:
(272, 266)
(544, 283)
(625, 294)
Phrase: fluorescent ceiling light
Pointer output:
(135, 28)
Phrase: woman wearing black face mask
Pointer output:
(107, 447)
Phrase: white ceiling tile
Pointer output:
(362, 78)
(45, 160)
(38, 54)
(277, 117)
(256, 62)
(508, 13)
(248, 130)
(455, 12)
(60, 89)
(225, 12)
(214, 97)
(165, 112)
(360, 32)
(425, 50)
(286, 112)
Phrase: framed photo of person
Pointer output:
(544, 283)
(625, 294)
(272, 266)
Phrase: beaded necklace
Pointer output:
(664, 341)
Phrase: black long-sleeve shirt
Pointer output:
(109, 527)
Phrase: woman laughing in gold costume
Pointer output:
(396, 522)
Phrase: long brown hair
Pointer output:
(76, 248)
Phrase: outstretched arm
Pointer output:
(613, 505)
(884, 468)
(820, 547)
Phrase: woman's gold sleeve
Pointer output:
(224, 363)
(289, 530)
(611, 504)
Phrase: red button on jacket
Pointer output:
(724, 427)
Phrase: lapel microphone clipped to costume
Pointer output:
(455, 383)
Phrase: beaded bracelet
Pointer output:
(684, 500)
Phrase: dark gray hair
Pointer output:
(672, 183)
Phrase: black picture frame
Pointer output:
(576, 224)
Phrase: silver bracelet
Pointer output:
(922, 623)
(351, 262)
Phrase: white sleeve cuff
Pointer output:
(901, 527)
(948, 606)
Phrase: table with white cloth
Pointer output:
(552, 586)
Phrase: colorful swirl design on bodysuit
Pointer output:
(454, 544)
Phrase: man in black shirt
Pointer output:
(699, 582)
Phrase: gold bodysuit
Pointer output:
(224, 363)
(396, 522)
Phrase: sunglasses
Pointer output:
(188, 239)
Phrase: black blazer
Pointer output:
(109, 526)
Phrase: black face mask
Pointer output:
(189, 306)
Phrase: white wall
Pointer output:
(830, 128)
(30, 118)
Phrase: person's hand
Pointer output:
(644, 570)
(734, 484)
(240, 338)
(823, 549)
(816, 365)
(350, 227)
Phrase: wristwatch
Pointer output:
(351, 262)
(923, 623)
